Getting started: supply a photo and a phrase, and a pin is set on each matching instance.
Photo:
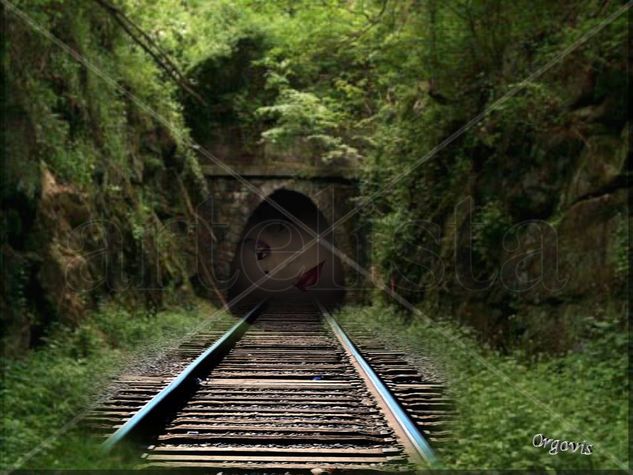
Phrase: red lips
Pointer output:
(309, 277)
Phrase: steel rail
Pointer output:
(157, 403)
(415, 438)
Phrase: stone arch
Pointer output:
(232, 201)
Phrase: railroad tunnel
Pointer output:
(284, 253)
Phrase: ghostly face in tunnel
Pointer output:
(280, 256)
(260, 248)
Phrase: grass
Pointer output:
(503, 401)
(43, 392)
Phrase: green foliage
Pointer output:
(111, 131)
(503, 401)
(382, 82)
(490, 225)
(385, 82)
(377, 79)
(399, 271)
(87, 122)
(44, 391)
(535, 109)
(302, 117)
(621, 248)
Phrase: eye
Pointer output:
(262, 249)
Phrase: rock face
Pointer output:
(602, 166)
(65, 271)
(77, 251)
(556, 268)
(535, 241)
(95, 194)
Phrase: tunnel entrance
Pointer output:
(278, 258)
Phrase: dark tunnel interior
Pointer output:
(279, 258)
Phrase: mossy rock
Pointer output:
(602, 163)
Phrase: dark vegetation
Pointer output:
(517, 227)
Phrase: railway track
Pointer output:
(285, 389)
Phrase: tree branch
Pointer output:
(140, 37)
